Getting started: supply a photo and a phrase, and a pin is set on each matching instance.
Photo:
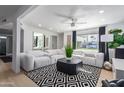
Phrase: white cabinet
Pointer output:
(118, 68)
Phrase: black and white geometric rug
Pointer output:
(48, 76)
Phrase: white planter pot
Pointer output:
(68, 58)
(111, 53)
(121, 46)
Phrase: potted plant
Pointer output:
(69, 51)
(118, 40)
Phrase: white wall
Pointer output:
(28, 36)
(60, 41)
(65, 37)
(27, 39)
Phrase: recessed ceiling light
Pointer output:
(101, 11)
(40, 25)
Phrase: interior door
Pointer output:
(54, 42)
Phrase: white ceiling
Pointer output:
(7, 11)
(46, 16)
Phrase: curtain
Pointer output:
(102, 45)
(44, 41)
(74, 39)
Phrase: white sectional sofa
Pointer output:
(90, 58)
(35, 59)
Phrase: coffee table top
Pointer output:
(72, 61)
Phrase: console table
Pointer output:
(118, 68)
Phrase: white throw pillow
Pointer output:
(89, 54)
(51, 52)
(60, 52)
(78, 53)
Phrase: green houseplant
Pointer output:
(118, 40)
(69, 51)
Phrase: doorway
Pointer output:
(54, 42)
(2, 45)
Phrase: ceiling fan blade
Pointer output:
(63, 21)
(80, 16)
(64, 16)
(76, 18)
(81, 23)
(76, 23)
(67, 23)
(72, 20)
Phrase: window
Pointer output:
(38, 40)
(88, 41)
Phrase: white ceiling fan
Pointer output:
(73, 19)
(74, 22)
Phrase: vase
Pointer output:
(111, 53)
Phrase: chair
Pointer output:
(113, 83)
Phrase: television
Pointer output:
(119, 53)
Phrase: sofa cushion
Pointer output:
(37, 53)
(78, 52)
(56, 57)
(60, 52)
(29, 62)
(51, 52)
(41, 61)
(22, 58)
(89, 54)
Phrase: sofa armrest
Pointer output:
(28, 64)
(22, 59)
(99, 59)
(105, 83)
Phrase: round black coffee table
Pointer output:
(71, 67)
